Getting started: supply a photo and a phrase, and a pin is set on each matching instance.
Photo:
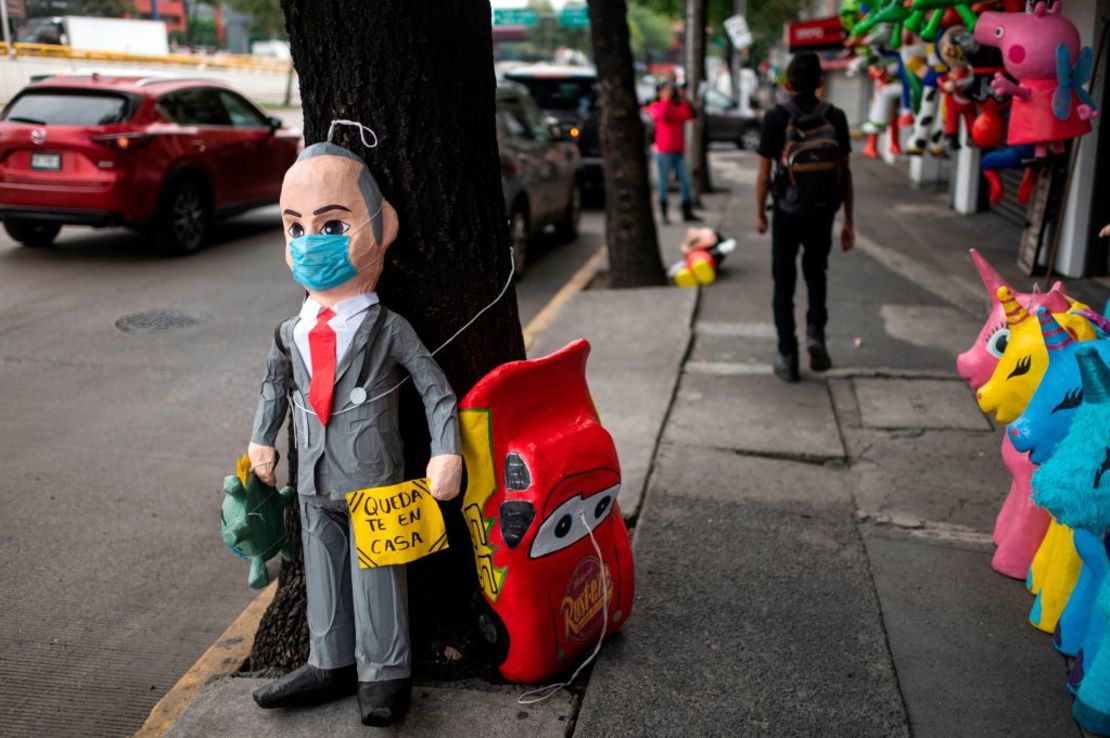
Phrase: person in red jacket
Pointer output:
(670, 111)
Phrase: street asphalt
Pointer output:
(115, 578)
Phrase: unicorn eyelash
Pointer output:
(1102, 469)
(993, 331)
(1073, 398)
(1024, 364)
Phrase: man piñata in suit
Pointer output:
(338, 362)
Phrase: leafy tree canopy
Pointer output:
(268, 20)
(106, 8)
(765, 18)
(649, 30)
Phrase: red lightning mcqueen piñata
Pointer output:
(541, 473)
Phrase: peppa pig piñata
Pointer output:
(1041, 51)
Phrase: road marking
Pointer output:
(233, 647)
(576, 283)
(223, 657)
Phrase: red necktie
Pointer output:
(321, 345)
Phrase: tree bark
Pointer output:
(421, 75)
(697, 147)
(630, 233)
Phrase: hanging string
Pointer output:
(362, 131)
(548, 691)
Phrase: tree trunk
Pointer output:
(634, 259)
(697, 146)
(421, 75)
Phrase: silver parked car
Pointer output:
(539, 172)
(729, 122)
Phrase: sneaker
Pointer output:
(786, 367)
(819, 360)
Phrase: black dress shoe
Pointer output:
(786, 367)
(308, 685)
(383, 703)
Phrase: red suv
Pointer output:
(159, 154)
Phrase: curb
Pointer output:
(578, 282)
(223, 657)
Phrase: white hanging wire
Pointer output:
(548, 691)
(362, 131)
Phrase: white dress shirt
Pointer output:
(348, 317)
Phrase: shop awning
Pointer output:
(815, 35)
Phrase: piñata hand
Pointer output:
(445, 475)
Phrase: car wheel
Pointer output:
(749, 139)
(184, 217)
(519, 238)
(33, 233)
(567, 228)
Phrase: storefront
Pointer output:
(1081, 252)
(1081, 183)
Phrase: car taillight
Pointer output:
(122, 141)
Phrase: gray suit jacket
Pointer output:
(361, 445)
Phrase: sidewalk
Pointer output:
(815, 558)
(811, 559)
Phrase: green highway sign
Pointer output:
(574, 17)
(515, 17)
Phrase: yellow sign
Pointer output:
(396, 524)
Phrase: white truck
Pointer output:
(123, 35)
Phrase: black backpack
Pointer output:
(809, 176)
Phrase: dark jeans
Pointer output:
(677, 163)
(813, 234)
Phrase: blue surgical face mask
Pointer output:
(321, 261)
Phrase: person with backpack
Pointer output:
(670, 112)
(805, 141)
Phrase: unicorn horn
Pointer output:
(1055, 299)
(1015, 313)
(1055, 337)
(1095, 375)
(992, 280)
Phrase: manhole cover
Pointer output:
(159, 321)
